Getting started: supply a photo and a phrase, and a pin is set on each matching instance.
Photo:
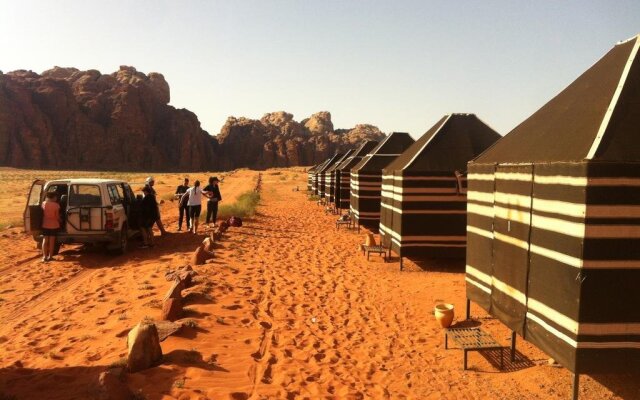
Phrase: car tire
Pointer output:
(123, 241)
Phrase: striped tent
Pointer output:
(310, 175)
(366, 179)
(343, 194)
(315, 181)
(553, 247)
(424, 198)
(322, 178)
(330, 177)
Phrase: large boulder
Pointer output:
(143, 345)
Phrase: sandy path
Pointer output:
(288, 309)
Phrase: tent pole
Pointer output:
(468, 308)
(400, 255)
(513, 346)
(576, 385)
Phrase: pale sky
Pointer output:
(399, 65)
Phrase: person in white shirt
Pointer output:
(194, 204)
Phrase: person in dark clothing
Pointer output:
(182, 205)
(212, 191)
(148, 216)
(149, 183)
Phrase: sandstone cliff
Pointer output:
(70, 119)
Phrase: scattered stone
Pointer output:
(171, 309)
(167, 328)
(143, 345)
(112, 385)
(201, 255)
(175, 291)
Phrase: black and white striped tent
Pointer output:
(553, 247)
(423, 212)
(321, 175)
(330, 177)
(366, 179)
(315, 181)
(310, 175)
(343, 173)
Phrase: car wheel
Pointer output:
(123, 242)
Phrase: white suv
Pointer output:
(95, 211)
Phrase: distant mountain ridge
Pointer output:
(65, 118)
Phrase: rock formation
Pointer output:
(70, 119)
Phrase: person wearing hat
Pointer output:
(148, 184)
(212, 191)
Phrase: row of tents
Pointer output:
(548, 216)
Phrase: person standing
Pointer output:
(212, 191)
(149, 183)
(50, 225)
(195, 205)
(182, 205)
(149, 216)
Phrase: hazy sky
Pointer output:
(399, 65)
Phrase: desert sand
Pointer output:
(287, 309)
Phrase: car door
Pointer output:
(85, 212)
(131, 206)
(117, 201)
(33, 210)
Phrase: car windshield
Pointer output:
(84, 195)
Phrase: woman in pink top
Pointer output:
(50, 225)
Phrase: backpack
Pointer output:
(235, 222)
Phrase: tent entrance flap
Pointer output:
(512, 229)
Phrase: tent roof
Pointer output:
(357, 155)
(595, 117)
(447, 146)
(313, 168)
(321, 165)
(327, 164)
(385, 152)
(339, 161)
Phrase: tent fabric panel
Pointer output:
(557, 286)
(365, 199)
(511, 247)
(570, 121)
(607, 361)
(385, 152)
(560, 350)
(401, 161)
(480, 214)
(620, 141)
(463, 138)
(610, 296)
(345, 189)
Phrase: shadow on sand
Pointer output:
(64, 383)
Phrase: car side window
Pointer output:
(120, 192)
(114, 196)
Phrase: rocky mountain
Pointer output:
(70, 119)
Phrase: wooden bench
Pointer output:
(472, 339)
(385, 253)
